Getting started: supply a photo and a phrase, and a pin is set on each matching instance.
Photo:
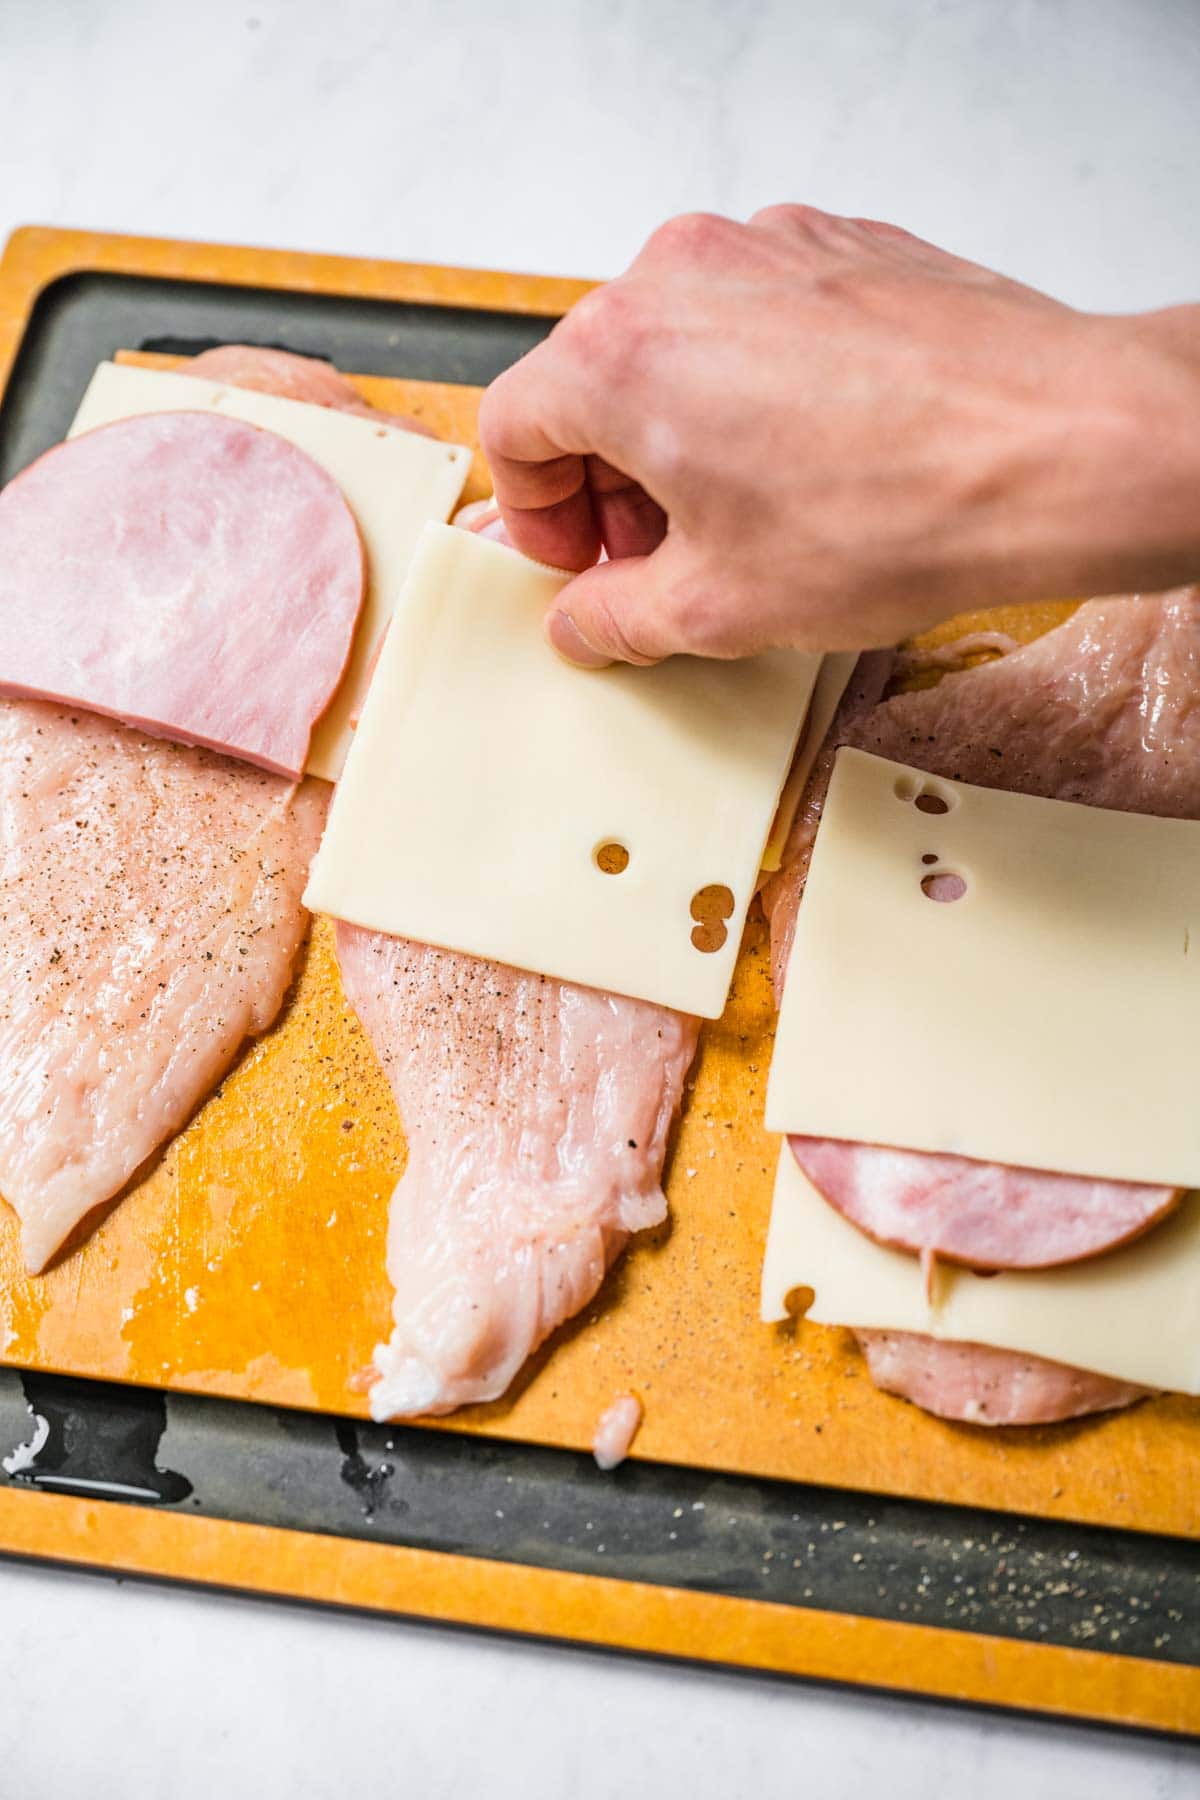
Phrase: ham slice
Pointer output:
(185, 573)
(537, 1116)
(983, 1215)
(1100, 711)
(980, 1386)
(150, 904)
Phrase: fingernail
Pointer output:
(570, 643)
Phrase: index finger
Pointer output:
(541, 482)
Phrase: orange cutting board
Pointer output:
(250, 1262)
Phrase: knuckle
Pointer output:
(609, 329)
(495, 417)
(882, 228)
(803, 222)
(693, 236)
(780, 213)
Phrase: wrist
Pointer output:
(1084, 476)
(1137, 518)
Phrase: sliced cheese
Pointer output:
(833, 678)
(395, 481)
(487, 775)
(1133, 1314)
(1047, 1018)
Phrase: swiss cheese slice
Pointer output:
(487, 778)
(1133, 1314)
(1047, 1018)
(395, 482)
(833, 678)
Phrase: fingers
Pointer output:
(564, 534)
(630, 522)
(640, 609)
(541, 484)
(560, 500)
(616, 612)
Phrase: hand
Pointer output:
(824, 432)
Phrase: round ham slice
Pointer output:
(185, 573)
(984, 1215)
(977, 1385)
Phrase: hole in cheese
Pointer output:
(710, 907)
(610, 857)
(712, 902)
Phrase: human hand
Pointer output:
(824, 432)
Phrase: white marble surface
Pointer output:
(1059, 139)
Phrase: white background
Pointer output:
(1057, 139)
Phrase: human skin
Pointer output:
(826, 433)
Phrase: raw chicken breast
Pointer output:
(537, 1117)
(1104, 710)
(976, 1385)
(150, 913)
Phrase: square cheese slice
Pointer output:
(394, 481)
(1133, 1314)
(489, 783)
(1049, 1017)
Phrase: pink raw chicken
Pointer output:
(150, 906)
(537, 1117)
(615, 1431)
(1100, 711)
(185, 573)
(981, 1386)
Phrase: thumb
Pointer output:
(639, 609)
